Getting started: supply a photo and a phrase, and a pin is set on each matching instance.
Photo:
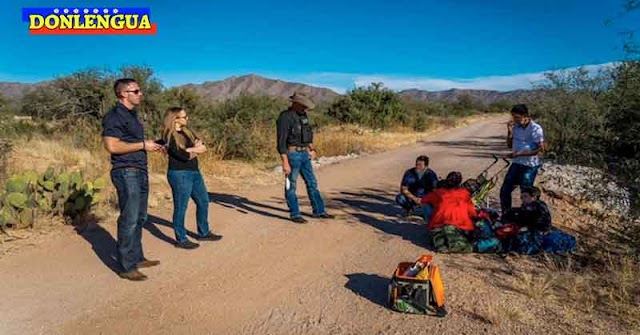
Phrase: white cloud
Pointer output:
(340, 82)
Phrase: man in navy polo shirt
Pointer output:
(123, 137)
(526, 139)
(416, 183)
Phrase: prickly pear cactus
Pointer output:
(16, 184)
(16, 200)
(49, 174)
(99, 184)
(31, 177)
(62, 194)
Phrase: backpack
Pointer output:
(417, 296)
(450, 239)
(488, 245)
(558, 242)
(483, 229)
(528, 242)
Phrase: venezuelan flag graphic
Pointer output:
(89, 21)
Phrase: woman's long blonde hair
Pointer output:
(169, 128)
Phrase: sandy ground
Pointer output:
(270, 276)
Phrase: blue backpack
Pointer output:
(528, 243)
(488, 245)
(558, 242)
(483, 229)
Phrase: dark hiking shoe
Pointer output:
(147, 263)
(133, 275)
(407, 213)
(210, 237)
(324, 216)
(299, 220)
(187, 245)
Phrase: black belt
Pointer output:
(128, 168)
(296, 148)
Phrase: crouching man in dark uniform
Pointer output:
(416, 183)
(295, 145)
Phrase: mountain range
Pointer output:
(254, 84)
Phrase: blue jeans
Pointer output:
(518, 174)
(132, 186)
(187, 184)
(300, 163)
(404, 202)
(427, 211)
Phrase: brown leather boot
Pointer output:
(133, 275)
(147, 263)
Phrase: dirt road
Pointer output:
(268, 275)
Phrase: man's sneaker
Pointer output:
(147, 263)
(407, 213)
(299, 220)
(133, 275)
(324, 216)
(187, 245)
(209, 237)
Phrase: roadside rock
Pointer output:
(322, 161)
(586, 187)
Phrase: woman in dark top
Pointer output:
(185, 178)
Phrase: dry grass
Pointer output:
(40, 153)
(498, 314)
(345, 139)
(612, 290)
(538, 287)
(599, 282)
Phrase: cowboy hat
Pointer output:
(302, 99)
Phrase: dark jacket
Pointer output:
(535, 216)
(451, 206)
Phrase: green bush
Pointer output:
(238, 126)
(84, 97)
(593, 119)
(573, 113)
(373, 106)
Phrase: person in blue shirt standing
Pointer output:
(123, 137)
(526, 139)
(416, 183)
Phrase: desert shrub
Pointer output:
(240, 127)
(373, 106)
(574, 116)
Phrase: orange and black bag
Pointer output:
(422, 294)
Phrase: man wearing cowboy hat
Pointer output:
(295, 145)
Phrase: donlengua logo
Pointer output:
(89, 21)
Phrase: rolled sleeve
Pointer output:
(407, 179)
(537, 135)
(112, 126)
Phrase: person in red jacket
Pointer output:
(451, 222)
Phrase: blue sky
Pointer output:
(424, 44)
